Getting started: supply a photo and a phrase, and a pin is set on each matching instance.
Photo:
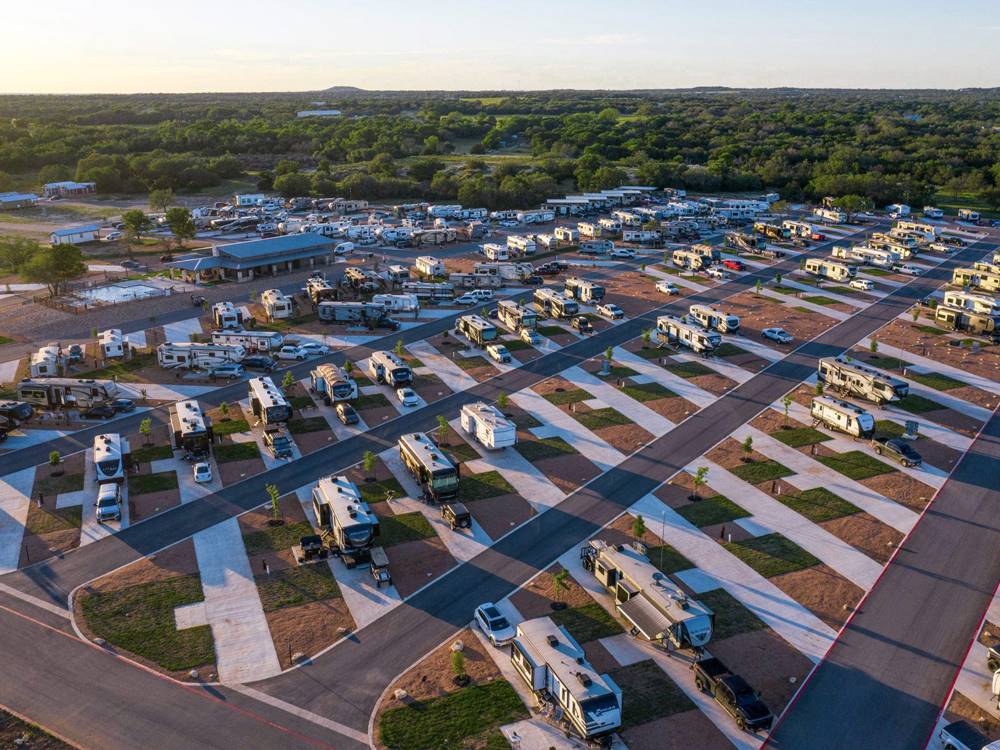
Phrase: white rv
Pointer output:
(110, 451)
(679, 332)
(931, 212)
(798, 228)
(829, 269)
(554, 304)
(657, 609)
(588, 229)
(277, 305)
(386, 367)
(967, 214)
(496, 252)
(567, 234)
(689, 259)
(855, 379)
(712, 319)
(553, 664)
(48, 361)
(477, 329)
(610, 225)
(516, 317)
(843, 416)
(111, 343)
(978, 303)
(897, 210)
(333, 383)
(488, 425)
(190, 355)
(267, 402)
(519, 244)
(227, 315)
(927, 232)
(347, 519)
(73, 393)
(583, 290)
(831, 215)
(190, 429)
(397, 302)
(596, 247)
(428, 265)
(251, 341)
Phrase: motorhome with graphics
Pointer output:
(333, 383)
(345, 520)
(555, 305)
(72, 393)
(386, 367)
(110, 452)
(477, 329)
(433, 470)
(190, 355)
(516, 317)
(583, 290)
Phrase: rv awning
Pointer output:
(649, 621)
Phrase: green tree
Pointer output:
(747, 447)
(273, 496)
(160, 199)
(146, 429)
(368, 462)
(609, 354)
(786, 401)
(851, 204)
(293, 184)
(757, 287)
(399, 349)
(16, 251)
(442, 428)
(54, 458)
(348, 366)
(224, 410)
(873, 346)
(458, 664)
(638, 527)
(55, 267)
(699, 480)
(915, 313)
(647, 336)
(819, 389)
(777, 279)
(136, 222)
(287, 381)
(181, 224)
(503, 400)
(559, 584)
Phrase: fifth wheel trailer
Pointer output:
(855, 379)
(713, 319)
(829, 269)
(488, 425)
(679, 332)
(843, 416)
(333, 383)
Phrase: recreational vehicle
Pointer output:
(772, 231)
(958, 319)
(932, 212)
(386, 367)
(567, 234)
(344, 519)
(333, 383)
(267, 402)
(587, 229)
(518, 244)
(583, 290)
(855, 379)
(110, 451)
(428, 265)
(688, 259)
(73, 393)
(928, 232)
(367, 313)
(397, 302)
(678, 331)
(657, 609)
(277, 305)
(843, 416)
(488, 425)
(614, 226)
(830, 269)
(987, 282)
(713, 319)
(709, 253)
(190, 429)
(555, 305)
(251, 341)
(987, 267)
(516, 317)
(967, 214)
(111, 343)
(433, 470)
(798, 228)
(227, 315)
(363, 279)
(48, 361)
(192, 355)
(642, 236)
(477, 329)
(430, 290)
(831, 215)
(554, 665)
(745, 243)
(320, 289)
(977, 303)
(495, 252)
(506, 271)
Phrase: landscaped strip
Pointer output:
(772, 554)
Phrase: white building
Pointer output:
(75, 235)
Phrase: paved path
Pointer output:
(609, 395)
(15, 497)
(181, 330)
(453, 376)
(681, 386)
(823, 310)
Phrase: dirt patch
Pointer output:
(680, 731)
(771, 421)
(16, 733)
(567, 472)
(476, 367)
(902, 488)
(905, 335)
(961, 707)
(675, 409)
(309, 442)
(308, 628)
(990, 634)
(377, 415)
(498, 515)
(676, 493)
(876, 539)
(599, 657)
(430, 387)
(715, 383)
(259, 519)
(633, 291)
(536, 597)
(766, 661)
(729, 454)
(759, 312)
(823, 591)
(413, 564)
(141, 507)
(176, 560)
(232, 472)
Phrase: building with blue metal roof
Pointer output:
(244, 261)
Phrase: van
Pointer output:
(481, 294)
(498, 353)
(109, 503)
(230, 371)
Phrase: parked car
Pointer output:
(717, 272)
(109, 502)
(665, 287)
(898, 449)
(778, 335)
(202, 472)
(258, 362)
(534, 281)
(407, 396)
(863, 285)
(817, 236)
(960, 735)
(733, 264)
(481, 294)
(122, 405)
(733, 693)
(231, 371)
(622, 252)
(312, 349)
(493, 313)
(74, 353)
(611, 311)
(99, 411)
(498, 353)
(346, 413)
(494, 625)
(582, 324)
(908, 270)
(291, 351)
(529, 336)
(456, 515)
(466, 299)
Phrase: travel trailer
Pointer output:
(277, 305)
(488, 425)
(567, 234)
(227, 315)
(192, 355)
(48, 361)
(430, 290)
(583, 290)
(957, 319)
(689, 259)
(111, 343)
(987, 282)
(856, 379)
(72, 393)
(433, 470)
(110, 454)
(555, 667)
(713, 319)
(267, 402)
(344, 519)
(710, 253)
(477, 329)
(371, 314)
(333, 383)
(842, 416)
(386, 367)
(678, 331)
(251, 341)
(495, 252)
(657, 609)
(977, 303)
(190, 429)
(397, 302)
(428, 265)
(520, 245)
(596, 247)
(831, 215)
(363, 279)
(829, 269)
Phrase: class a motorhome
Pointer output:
(333, 383)
(657, 609)
(386, 367)
(267, 402)
(856, 379)
(688, 259)
(477, 329)
(488, 425)
(319, 289)
(830, 269)
(194, 355)
(842, 416)
(433, 470)
(680, 332)
(251, 341)
(556, 305)
(713, 319)
(277, 305)
(73, 393)
(553, 664)
(515, 316)
(345, 519)
(190, 428)
(583, 290)
(977, 303)
(111, 343)
(969, 321)
(110, 452)
(226, 315)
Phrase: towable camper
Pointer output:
(856, 379)
(678, 331)
(267, 402)
(195, 355)
(345, 520)
(277, 305)
(386, 367)
(842, 416)
(333, 383)
(977, 303)
(372, 314)
(713, 319)
(190, 429)
(319, 289)
(227, 315)
(73, 393)
(829, 269)
(958, 319)
(488, 425)
(251, 341)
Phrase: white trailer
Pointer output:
(444, 211)
(967, 214)
(610, 225)
(48, 361)
(191, 355)
(333, 383)
(713, 319)
(386, 367)
(629, 219)
(488, 425)
(928, 232)
(516, 317)
(588, 229)
(495, 251)
(897, 210)
(978, 303)
(688, 259)
(831, 215)
(277, 305)
(428, 265)
(227, 315)
(252, 341)
(798, 228)
(520, 244)
(856, 379)
(829, 269)
(74, 393)
(680, 332)
(932, 212)
(397, 302)
(112, 343)
(596, 247)
(641, 236)
(842, 416)
(567, 234)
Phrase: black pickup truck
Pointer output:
(733, 693)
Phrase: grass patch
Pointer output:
(42, 521)
(798, 437)
(550, 331)
(276, 538)
(459, 449)
(877, 272)
(143, 484)
(588, 622)
(526, 420)
(648, 693)
(124, 371)
(818, 504)
(453, 720)
(889, 428)
(307, 424)
(599, 418)
(52, 486)
(294, 586)
(819, 299)
(885, 362)
(230, 426)
(375, 492)
(541, 448)
(147, 453)
(470, 363)
(568, 396)
(711, 511)
(514, 345)
(301, 402)
(647, 391)
(803, 309)
(756, 472)
(930, 330)
(772, 555)
(936, 380)
(371, 401)
(236, 452)
(6, 340)
(855, 465)
(731, 617)
(729, 350)
(482, 486)
(404, 527)
(668, 560)
(689, 369)
(621, 371)
(918, 404)
(140, 619)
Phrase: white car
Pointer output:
(509, 223)
(716, 272)
(202, 472)
(494, 625)
(312, 349)
(665, 287)
(863, 285)
(481, 294)
(611, 311)
(622, 252)
(290, 351)
(908, 270)
(407, 397)
(779, 335)
(467, 299)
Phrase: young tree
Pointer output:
(819, 389)
(786, 401)
(699, 480)
(442, 428)
(873, 347)
(458, 664)
(915, 313)
(368, 462)
(54, 458)
(287, 381)
(181, 224)
(348, 366)
(638, 527)
(55, 267)
(777, 279)
(608, 354)
(400, 351)
(146, 429)
(136, 222)
(747, 447)
(160, 200)
(273, 494)
(559, 584)
(503, 400)
(224, 410)
(757, 287)
(647, 336)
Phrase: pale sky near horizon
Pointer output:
(114, 46)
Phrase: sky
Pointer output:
(114, 46)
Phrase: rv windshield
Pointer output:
(359, 534)
(109, 467)
(595, 709)
(444, 480)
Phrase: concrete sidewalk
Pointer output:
(675, 279)
(791, 281)
(811, 306)
(243, 645)
(451, 374)
(15, 498)
(181, 330)
(608, 395)
(681, 386)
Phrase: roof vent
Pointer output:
(553, 641)
(584, 679)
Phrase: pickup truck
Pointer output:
(733, 693)
(898, 449)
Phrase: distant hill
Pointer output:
(343, 90)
